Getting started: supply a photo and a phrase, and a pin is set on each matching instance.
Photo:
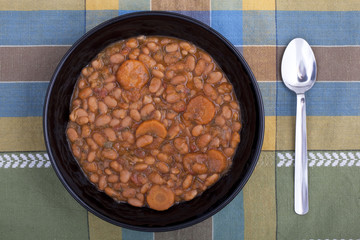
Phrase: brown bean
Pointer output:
(111, 79)
(145, 50)
(156, 178)
(125, 176)
(140, 166)
(87, 71)
(171, 47)
(97, 64)
(236, 126)
(94, 178)
(82, 83)
(220, 120)
(199, 168)
(85, 131)
(126, 122)
(99, 139)
(163, 168)
(226, 112)
(190, 195)
(200, 67)
(128, 136)
(163, 157)
(129, 192)
(110, 101)
(82, 120)
(179, 106)
(145, 188)
(134, 114)
(91, 156)
(93, 77)
(93, 104)
(92, 144)
(173, 98)
(144, 141)
(72, 134)
(197, 130)
(179, 79)
(76, 150)
(147, 110)
(198, 83)
(235, 139)
(132, 43)
(135, 202)
(147, 60)
(107, 170)
(134, 53)
(110, 86)
(214, 77)
(117, 58)
(190, 63)
(173, 131)
(172, 57)
(208, 69)
(158, 74)
(110, 192)
(110, 134)
(113, 178)
(102, 120)
(117, 93)
(187, 181)
(116, 166)
(119, 113)
(210, 91)
(152, 46)
(90, 167)
(215, 143)
(181, 145)
(211, 179)
(229, 151)
(147, 99)
(103, 108)
(114, 122)
(85, 93)
(109, 154)
(102, 182)
(155, 84)
(203, 140)
(149, 160)
(205, 56)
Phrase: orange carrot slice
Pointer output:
(160, 198)
(217, 161)
(151, 127)
(200, 109)
(132, 74)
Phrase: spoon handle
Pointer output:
(301, 165)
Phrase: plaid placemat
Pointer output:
(34, 35)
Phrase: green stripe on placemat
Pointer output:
(334, 195)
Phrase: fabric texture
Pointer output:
(34, 35)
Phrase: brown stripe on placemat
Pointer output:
(183, 5)
(262, 61)
(200, 231)
(334, 63)
(99, 229)
(21, 134)
(35, 63)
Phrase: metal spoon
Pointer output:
(298, 70)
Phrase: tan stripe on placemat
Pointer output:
(101, 230)
(262, 60)
(102, 5)
(29, 5)
(270, 132)
(325, 132)
(21, 134)
(259, 5)
(260, 206)
(29, 63)
(334, 63)
(183, 5)
(319, 5)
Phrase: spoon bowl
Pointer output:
(298, 70)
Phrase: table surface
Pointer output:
(34, 35)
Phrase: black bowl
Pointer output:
(56, 116)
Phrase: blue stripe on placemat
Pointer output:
(229, 24)
(259, 28)
(229, 223)
(203, 16)
(327, 28)
(95, 17)
(324, 99)
(41, 27)
(22, 99)
(136, 235)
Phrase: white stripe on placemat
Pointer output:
(321, 159)
(25, 160)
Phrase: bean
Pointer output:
(84, 104)
(145, 50)
(102, 182)
(163, 168)
(93, 77)
(92, 144)
(134, 114)
(172, 47)
(149, 160)
(147, 110)
(172, 57)
(126, 122)
(220, 120)
(110, 86)
(111, 79)
(134, 53)
(82, 120)
(229, 151)
(128, 136)
(114, 122)
(147, 99)
(198, 83)
(236, 126)
(85, 93)
(199, 168)
(205, 56)
(156, 178)
(173, 98)
(158, 74)
(110, 192)
(119, 113)
(102, 120)
(144, 141)
(226, 112)
(97, 64)
(91, 156)
(211, 179)
(94, 178)
(110, 134)
(93, 104)
(76, 150)
(135, 202)
(117, 58)
(147, 60)
(190, 195)
(82, 83)
(187, 181)
(215, 143)
(173, 131)
(99, 139)
(208, 69)
(72, 134)
(103, 108)
(214, 77)
(90, 167)
(160, 91)
(145, 188)
(109, 154)
(152, 46)
(235, 139)
(140, 166)
(181, 145)
(155, 84)
(156, 115)
(190, 63)
(227, 98)
(210, 91)
(116, 166)
(117, 93)
(87, 71)
(197, 130)
(178, 192)
(113, 178)
(169, 74)
(85, 131)
(179, 79)
(132, 43)
(179, 106)
(203, 140)
(124, 176)
(199, 67)
(107, 171)
(110, 101)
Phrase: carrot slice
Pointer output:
(160, 198)
(151, 127)
(200, 109)
(217, 161)
(132, 74)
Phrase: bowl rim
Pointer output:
(259, 108)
